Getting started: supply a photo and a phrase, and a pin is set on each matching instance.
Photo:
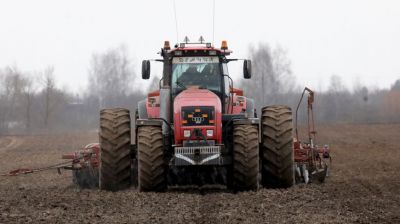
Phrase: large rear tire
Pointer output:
(115, 155)
(277, 147)
(245, 157)
(151, 164)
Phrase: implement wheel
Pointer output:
(245, 157)
(87, 178)
(277, 147)
(151, 164)
(115, 155)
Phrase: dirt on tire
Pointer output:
(364, 187)
(151, 164)
(245, 157)
(277, 147)
(115, 141)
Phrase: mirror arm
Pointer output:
(233, 59)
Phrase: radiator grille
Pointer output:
(204, 155)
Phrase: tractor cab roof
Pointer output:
(196, 49)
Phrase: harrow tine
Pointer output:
(18, 172)
(319, 174)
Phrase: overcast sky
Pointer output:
(357, 40)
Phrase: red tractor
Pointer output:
(196, 129)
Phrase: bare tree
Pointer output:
(52, 97)
(48, 90)
(110, 76)
(396, 85)
(12, 83)
(28, 93)
(272, 75)
(392, 103)
(283, 70)
(336, 84)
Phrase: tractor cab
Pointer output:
(203, 72)
(199, 66)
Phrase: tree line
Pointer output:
(32, 102)
(273, 82)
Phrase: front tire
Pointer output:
(115, 155)
(245, 157)
(151, 164)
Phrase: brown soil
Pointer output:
(364, 187)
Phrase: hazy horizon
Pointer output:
(356, 40)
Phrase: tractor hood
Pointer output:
(197, 109)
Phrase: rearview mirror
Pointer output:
(247, 69)
(145, 69)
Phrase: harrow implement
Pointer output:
(81, 161)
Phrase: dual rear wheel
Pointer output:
(115, 171)
(245, 157)
(275, 155)
(115, 152)
(151, 164)
(277, 147)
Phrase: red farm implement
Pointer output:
(312, 162)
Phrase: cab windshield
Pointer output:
(201, 72)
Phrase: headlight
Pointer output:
(210, 133)
(186, 133)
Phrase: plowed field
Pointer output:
(364, 187)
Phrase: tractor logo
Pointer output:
(198, 120)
